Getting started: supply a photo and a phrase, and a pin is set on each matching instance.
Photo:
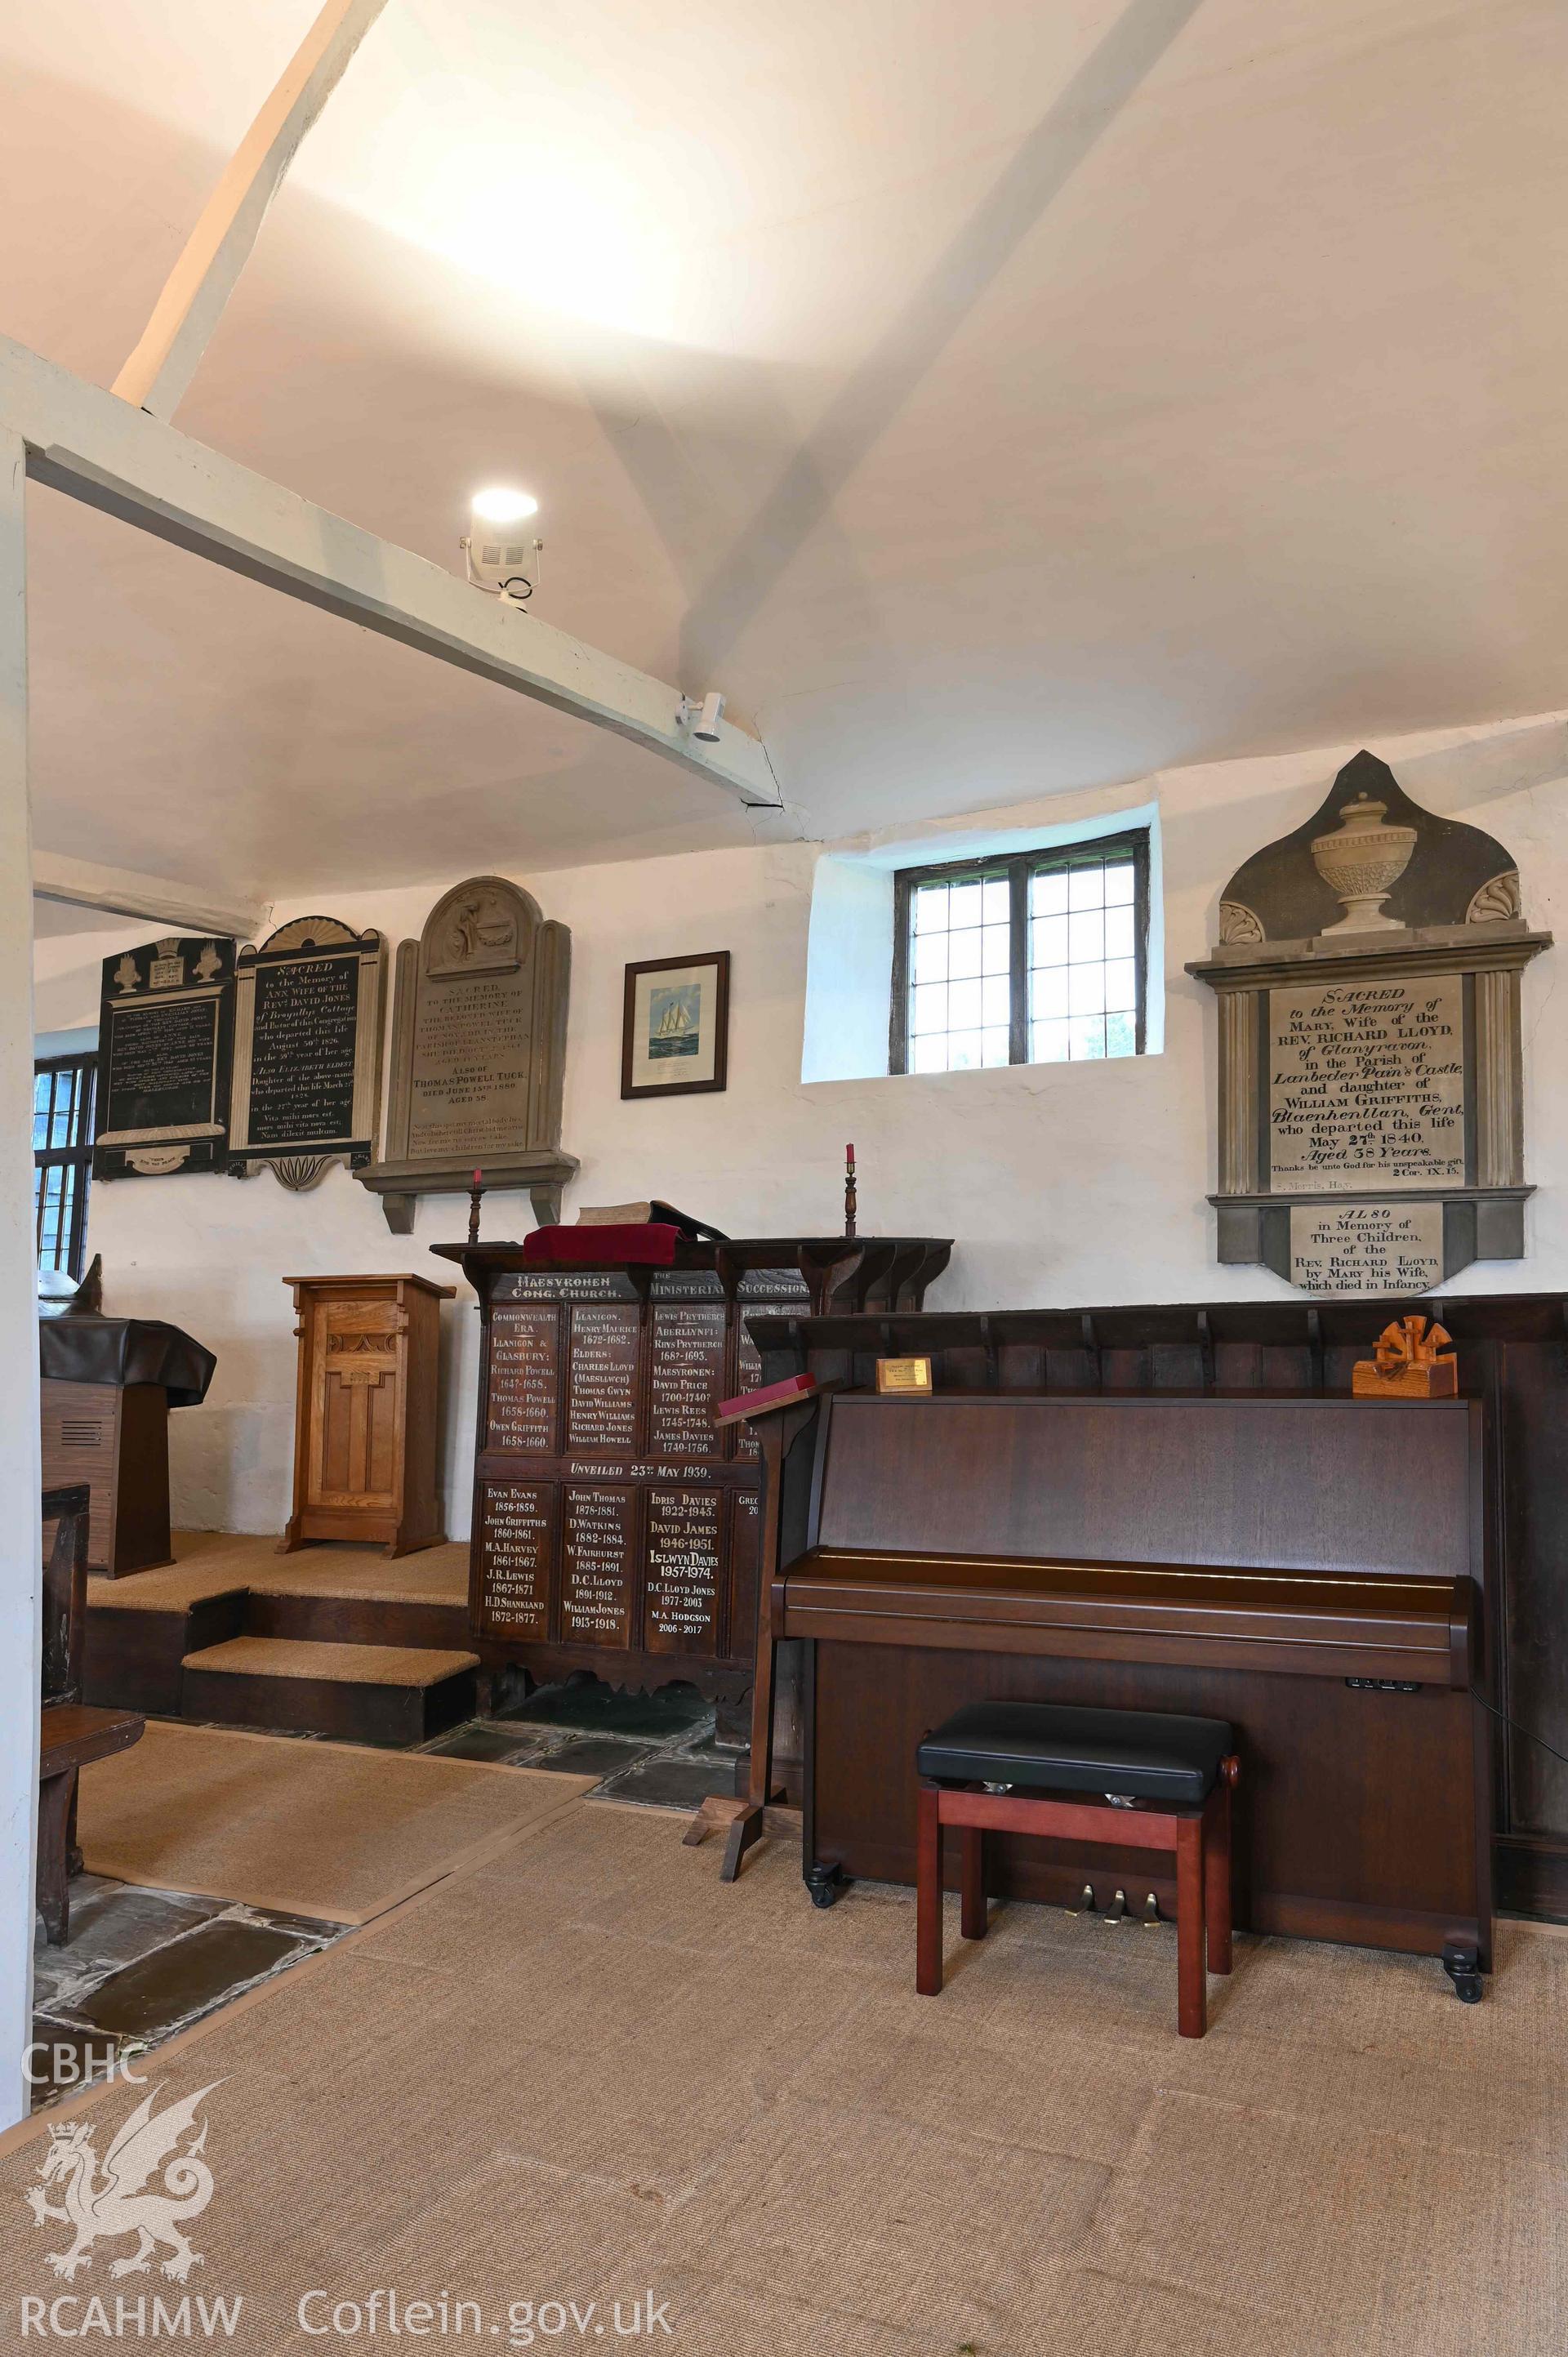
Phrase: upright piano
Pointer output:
(1312, 1569)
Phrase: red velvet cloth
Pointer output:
(652, 1246)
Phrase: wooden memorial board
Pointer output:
(615, 1527)
(1371, 1127)
(165, 1047)
(610, 1517)
(478, 1048)
(308, 1051)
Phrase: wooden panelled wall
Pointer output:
(1513, 1357)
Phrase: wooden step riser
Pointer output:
(130, 1660)
(350, 1712)
(356, 1620)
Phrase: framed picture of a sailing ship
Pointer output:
(675, 1033)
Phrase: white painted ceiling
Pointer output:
(992, 401)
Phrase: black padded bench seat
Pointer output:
(1049, 1769)
(1049, 1747)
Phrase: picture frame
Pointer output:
(676, 1026)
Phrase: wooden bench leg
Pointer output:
(929, 1892)
(1192, 1989)
(971, 1883)
(1217, 1876)
(54, 1885)
(74, 1861)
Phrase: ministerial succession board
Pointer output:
(614, 1528)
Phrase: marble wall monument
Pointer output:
(1370, 1071)
(308, 1051)
(164, 1033)
(478, 1052)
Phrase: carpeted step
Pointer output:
(137, 1634)
(361, 1694)
(398, 1604)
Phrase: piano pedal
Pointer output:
(1151, 1915)
(1084, 1903)
(1117, 1911)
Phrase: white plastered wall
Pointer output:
(1061, 1183)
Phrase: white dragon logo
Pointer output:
(104, 2212)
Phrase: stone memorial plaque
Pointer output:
(516, 1536)
(1367, 1084)
(164, 1055)
(525, 1344)
(479, 1045)
(598, 1558)
(685, 1377)
(307, 1049)
(1369, 971)
(602, 1365)
(469, 1089)
(681, 1608)
(1365, 1247)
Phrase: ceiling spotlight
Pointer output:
(499, 505)
(702, 719)
(502, 557)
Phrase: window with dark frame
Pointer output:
(1038, 958)
(62, 1158)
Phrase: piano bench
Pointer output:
(1139, 1780)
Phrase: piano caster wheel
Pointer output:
(1460, 1964)
(827, 1884)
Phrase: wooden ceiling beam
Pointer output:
(158, 372)
(118, 892)
(83, 441)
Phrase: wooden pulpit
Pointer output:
(365, 1426)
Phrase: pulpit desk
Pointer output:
(108, 1384)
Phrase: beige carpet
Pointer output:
(368, 1665)
(325, 1829)
(585, 2070)
(211, 1563)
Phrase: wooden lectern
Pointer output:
(365, 1429)
(108, 1385)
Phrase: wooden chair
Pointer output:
(70, 1733)
(1140, 1780)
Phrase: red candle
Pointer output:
(849, 1156)
(479, 1177)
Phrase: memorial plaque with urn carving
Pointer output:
(479, 1050)
(614, 1529)
(1370, 1066)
